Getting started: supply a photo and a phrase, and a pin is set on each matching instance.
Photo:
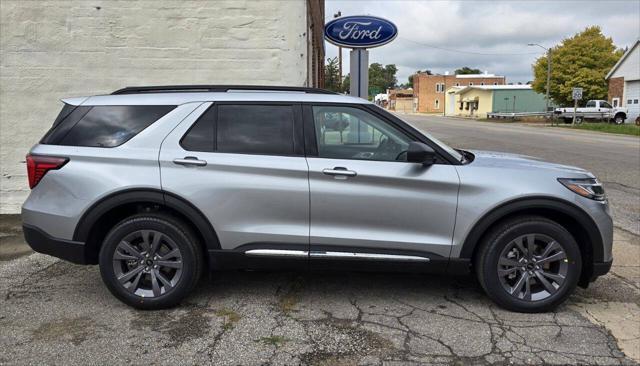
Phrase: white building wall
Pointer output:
(630, 67)
(55, 49)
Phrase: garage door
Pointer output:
(632, 98)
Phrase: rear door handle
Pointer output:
(339, 171)
(190, 160)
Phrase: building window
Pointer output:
(482, 83)
(471, 83)
(439, 87)
(495, 83)
(457, 84)
(437, 104)
(629, 101)
(635, 101)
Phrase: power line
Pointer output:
(468, 52)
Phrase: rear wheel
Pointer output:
(529, 264)
(150, 261)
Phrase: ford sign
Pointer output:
(360, 31)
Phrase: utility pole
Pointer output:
(548, 71)
(337, 15)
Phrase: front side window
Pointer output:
(255, 129)
(352, 133)
(606, 105)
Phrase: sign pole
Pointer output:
(576, 94)
(359, 67)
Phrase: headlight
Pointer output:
(587, 187)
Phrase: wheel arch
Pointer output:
(567, 214)
(108, 211)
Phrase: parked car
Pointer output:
(158, 184)
(595, 110)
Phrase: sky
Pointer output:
(491, 36)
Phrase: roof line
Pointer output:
(621, 60)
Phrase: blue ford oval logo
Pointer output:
(360, 31)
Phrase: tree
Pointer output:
(346, 83)
(381, 77)
(332, 77)
(467, 70)
(580, 61)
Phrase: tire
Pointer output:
(174, 269)
(567, 120)
(501, 242)
(618, 119)
(579, 120)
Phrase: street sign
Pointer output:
(361, 31)
(576, 94)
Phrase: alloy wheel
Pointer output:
(533, 267)
(147, 263)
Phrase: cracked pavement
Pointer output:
(53, 312)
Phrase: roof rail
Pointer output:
(216, 88)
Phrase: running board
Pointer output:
(284, 253)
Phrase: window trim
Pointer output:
(311, 147)
(298, 135)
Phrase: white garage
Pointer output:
(632, 96)
(624, 82)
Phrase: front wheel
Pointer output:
(618, 119)
(529, 264)
(150, 261)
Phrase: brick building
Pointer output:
(430, 90)
(55, 49)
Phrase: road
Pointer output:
(53, 312)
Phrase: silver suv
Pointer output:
(157, 184)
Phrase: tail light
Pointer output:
(39, 165)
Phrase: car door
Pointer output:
(367, 201)
(242, 165)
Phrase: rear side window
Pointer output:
(255, 129)
(201, 136)
(103, 126)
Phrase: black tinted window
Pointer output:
(255, 129)
(200, 136)
(104, 126)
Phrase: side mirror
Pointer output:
(420, 153)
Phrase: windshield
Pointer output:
(453, 152)
(456, 155)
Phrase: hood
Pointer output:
(515, 161)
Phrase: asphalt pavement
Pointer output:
(53, 312)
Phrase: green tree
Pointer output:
(346, 83)
(467, 70)
(332, 79)
(580, 61)
(381, 77)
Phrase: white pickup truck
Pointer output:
(594, 109)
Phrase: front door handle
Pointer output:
(339, 171)
(190, 160)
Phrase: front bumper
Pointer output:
(41, 242)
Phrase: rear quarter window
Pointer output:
(103, 126)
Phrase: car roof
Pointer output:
(178, 98)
